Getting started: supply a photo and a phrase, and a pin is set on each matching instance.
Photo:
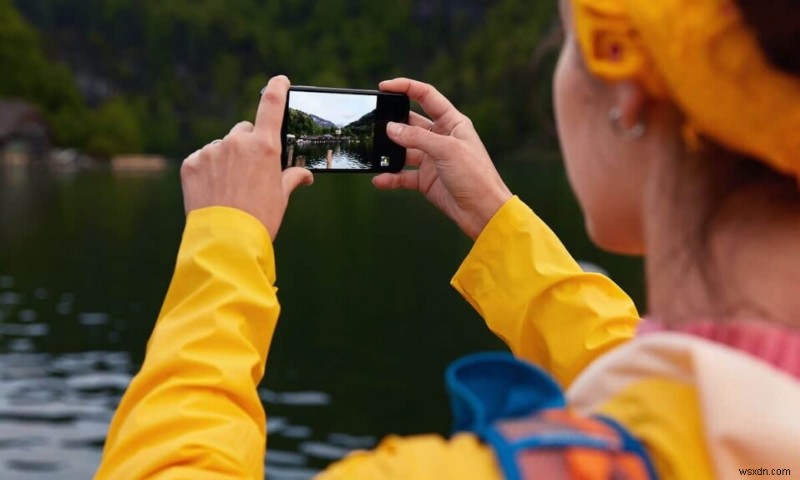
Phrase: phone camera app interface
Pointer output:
(331, 130)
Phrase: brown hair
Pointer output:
(776, 24)
(720, 173)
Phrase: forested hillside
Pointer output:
(362, 127)
(304, 124)
(167, 76)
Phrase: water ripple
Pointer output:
(306, 399)
(55, 408)
(24, 329)
(323, 450)
(10, 298)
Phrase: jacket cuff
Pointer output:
(232, 228)
(489, 270)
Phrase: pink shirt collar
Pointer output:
(772, 343)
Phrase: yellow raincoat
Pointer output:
(193, 411)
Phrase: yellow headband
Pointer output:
(702, 55)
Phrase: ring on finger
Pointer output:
(219, 140)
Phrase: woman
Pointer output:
(678, 120)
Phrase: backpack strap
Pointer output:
(521, 412)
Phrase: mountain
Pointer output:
(302, 123)
(362, 127)
(322, 122)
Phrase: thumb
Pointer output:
(435, 145)
(293, 177)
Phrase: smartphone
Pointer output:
(342, 130)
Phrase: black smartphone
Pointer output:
(342, 130)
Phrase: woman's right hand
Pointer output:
(243, 170)
(453, 169)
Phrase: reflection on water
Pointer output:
(322, 156)
(368, 320)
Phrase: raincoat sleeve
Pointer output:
(193, 410)
(531, 293)
(420, 457)
(535, 297)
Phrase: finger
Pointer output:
(433, 144)
(405, 180)
(434, 103)
(417, 120)
(293, 177)
(210, 150)
(272, 105)
(190, 164)
(243, 127)
(414, 157)
(193, 157)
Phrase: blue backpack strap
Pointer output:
(520, 411)
(489, 386)
(631, 444)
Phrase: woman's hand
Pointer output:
(454, 171)
(244, 169)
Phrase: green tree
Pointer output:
(189, 69)
(31, 76)
(114, 129)
(496, 78)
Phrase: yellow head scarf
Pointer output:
(702, 55)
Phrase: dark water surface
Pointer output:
(344, 155)
(369, 321)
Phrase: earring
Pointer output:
(637, 131)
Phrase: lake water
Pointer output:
(369, 321)
(344, 155)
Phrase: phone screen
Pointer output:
(342, 130)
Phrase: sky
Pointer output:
(339, 108)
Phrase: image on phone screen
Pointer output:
(342, 130)
(331, 131)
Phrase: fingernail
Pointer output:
(395, 128)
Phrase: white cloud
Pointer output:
(339, 108)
